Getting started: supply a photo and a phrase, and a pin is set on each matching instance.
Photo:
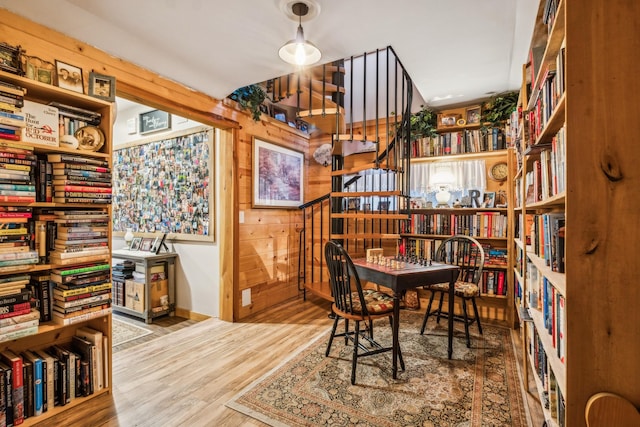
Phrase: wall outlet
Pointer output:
(241, 217)
(246, 297)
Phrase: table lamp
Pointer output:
(441, 180)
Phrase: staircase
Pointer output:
(363, 103)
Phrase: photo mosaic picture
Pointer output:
(166, 186)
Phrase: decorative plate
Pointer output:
(90, 138)
(461, 122)
(499, 171)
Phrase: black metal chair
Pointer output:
(467, 253)
(351, 302)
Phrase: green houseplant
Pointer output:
(498, 108)
(423, 123)
(250, 98)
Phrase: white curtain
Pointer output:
(468, 175)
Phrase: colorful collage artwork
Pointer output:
(165, 186)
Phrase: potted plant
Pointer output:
(499, 108)
(250, 98)
(423, 123)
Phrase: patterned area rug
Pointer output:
(478, 387)
(123, 331)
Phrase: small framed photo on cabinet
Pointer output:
(135, 243)
(145, 245)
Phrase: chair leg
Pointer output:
(466, 321)
(427, 313)
(354, 361)
(440, 308)
(346, 332)
(371, 330)
(333, 332)
(475, 311)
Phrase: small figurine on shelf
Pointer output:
(457, 204)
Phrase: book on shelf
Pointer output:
(62, 383)
(41, 124)
(95, 337)
(84, 200)
(81, 182)
(14, 362)
(81, 317)
(30, 316)
(20, 333)
(82, 291)
(35, 386)
(87, 350)
(41, 288)
(48, 378)
(79, 167)
(70, 158)
(6, 393)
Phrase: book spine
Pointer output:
(81, 317)
(24, 296)
(85, 269)
(83, 290)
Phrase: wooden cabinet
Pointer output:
(51, 260)
(159, 272)
(578, 314)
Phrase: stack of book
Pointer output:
(73, 118)
(17, 173)
(119, 275)
(18, 315)
(15, 238)
(81, 236)
(11, 117)
(81, 292)
(79, 179)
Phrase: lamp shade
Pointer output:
(443, 176)
(299, 51)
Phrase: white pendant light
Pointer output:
(300, 51)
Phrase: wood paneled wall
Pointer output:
(260, 254)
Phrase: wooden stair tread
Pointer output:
(378, 215)
(356, 169)
(321, 289)
(368, 236)
(366, 193)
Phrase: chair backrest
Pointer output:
(465, 252)
(344, 279)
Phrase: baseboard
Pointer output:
(191, 315)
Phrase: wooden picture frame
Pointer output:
(145, 245)
(102, 86)
(69, 77)
(473, 115)
(175, 195)
(277, 176)
(39, 69)
(10, 59)
(135, 243)
(489, 199)
(154, 121)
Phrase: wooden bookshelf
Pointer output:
(52, 333)
(600, 208)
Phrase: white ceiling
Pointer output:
(454, 50)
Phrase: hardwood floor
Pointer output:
(186, 371)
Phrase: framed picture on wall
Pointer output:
(278, 176)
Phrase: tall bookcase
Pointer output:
(580, 326)
(58, 333)
(428, 228)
